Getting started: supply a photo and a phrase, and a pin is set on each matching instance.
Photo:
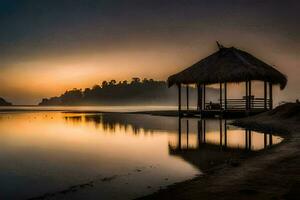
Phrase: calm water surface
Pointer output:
(110, 156)
(90, 108)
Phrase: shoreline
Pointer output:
(70, 109)
(269, 174)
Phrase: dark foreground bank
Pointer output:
(270, 174)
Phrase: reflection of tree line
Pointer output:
(133, 122)
(124, 92)
(223, 127)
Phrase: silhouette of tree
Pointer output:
(147, 91)
(104, 84)
(112, 82)
(136, 80)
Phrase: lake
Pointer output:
(47, 154)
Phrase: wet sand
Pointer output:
(270, 174)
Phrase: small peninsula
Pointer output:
(3, 102)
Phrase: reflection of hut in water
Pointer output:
(219, 134)
(228, 65)
(217, 142)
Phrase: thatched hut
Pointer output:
(229, 65)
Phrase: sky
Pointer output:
(47, 47)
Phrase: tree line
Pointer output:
(136, 91)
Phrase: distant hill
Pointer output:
(3, 102)
(136, 92)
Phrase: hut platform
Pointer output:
(220, 113)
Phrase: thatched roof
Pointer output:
(228, 65)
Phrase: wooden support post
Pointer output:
(225, 96)
(246, 97)
(179, 99)
(225, 133)
(270, 96)
(204, 96)
(265, 140)
(246, 139)
(204, 131)
(249, 139)
(220, 96)
(221, 133)
(199, 132)
(250, 96)
(187, 134)
(179, 132)
(187, 97)
(271, 140)
(265, 95)
(199, 102)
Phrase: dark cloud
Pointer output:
(35, 26)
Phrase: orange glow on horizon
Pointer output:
(29, 81)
